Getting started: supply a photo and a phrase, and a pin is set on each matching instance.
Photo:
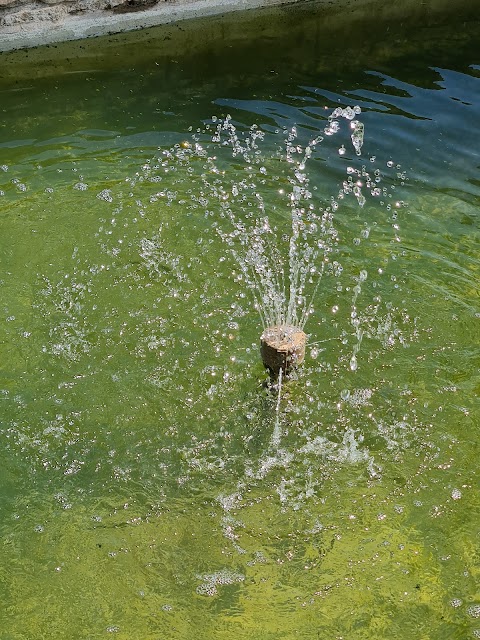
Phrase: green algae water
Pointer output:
(154, 484)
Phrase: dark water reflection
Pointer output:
(414, 73)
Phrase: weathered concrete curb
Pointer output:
(24, 23)
(30, 23)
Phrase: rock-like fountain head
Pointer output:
(282, 348)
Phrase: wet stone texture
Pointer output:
(28, 23)
(282, 348)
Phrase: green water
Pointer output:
(149, 486)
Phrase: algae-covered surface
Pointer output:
(152, 485)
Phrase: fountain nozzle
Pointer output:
(282, 348)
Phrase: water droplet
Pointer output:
(357, 135)
(106, 195)
(456, 602)
(474, 611)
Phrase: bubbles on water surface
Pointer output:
(158, 261)
(68, 337)
(211, 581)
(105, 195)
(21, 186)
(474, 611)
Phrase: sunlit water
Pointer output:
(152, 484)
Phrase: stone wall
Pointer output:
(27, 23)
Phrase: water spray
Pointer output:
(282, 268)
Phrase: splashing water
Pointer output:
(286, 238)
(282, 258)
(278, 267)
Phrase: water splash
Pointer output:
(286, 238)
(281, 237)
(276, 263)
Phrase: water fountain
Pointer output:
(282, 348)
(282, 268)
(140, 436)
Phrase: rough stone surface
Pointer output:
(29, 23)
(282, 348)
(56, 1)
(8, 4)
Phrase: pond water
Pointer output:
(152, 484)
